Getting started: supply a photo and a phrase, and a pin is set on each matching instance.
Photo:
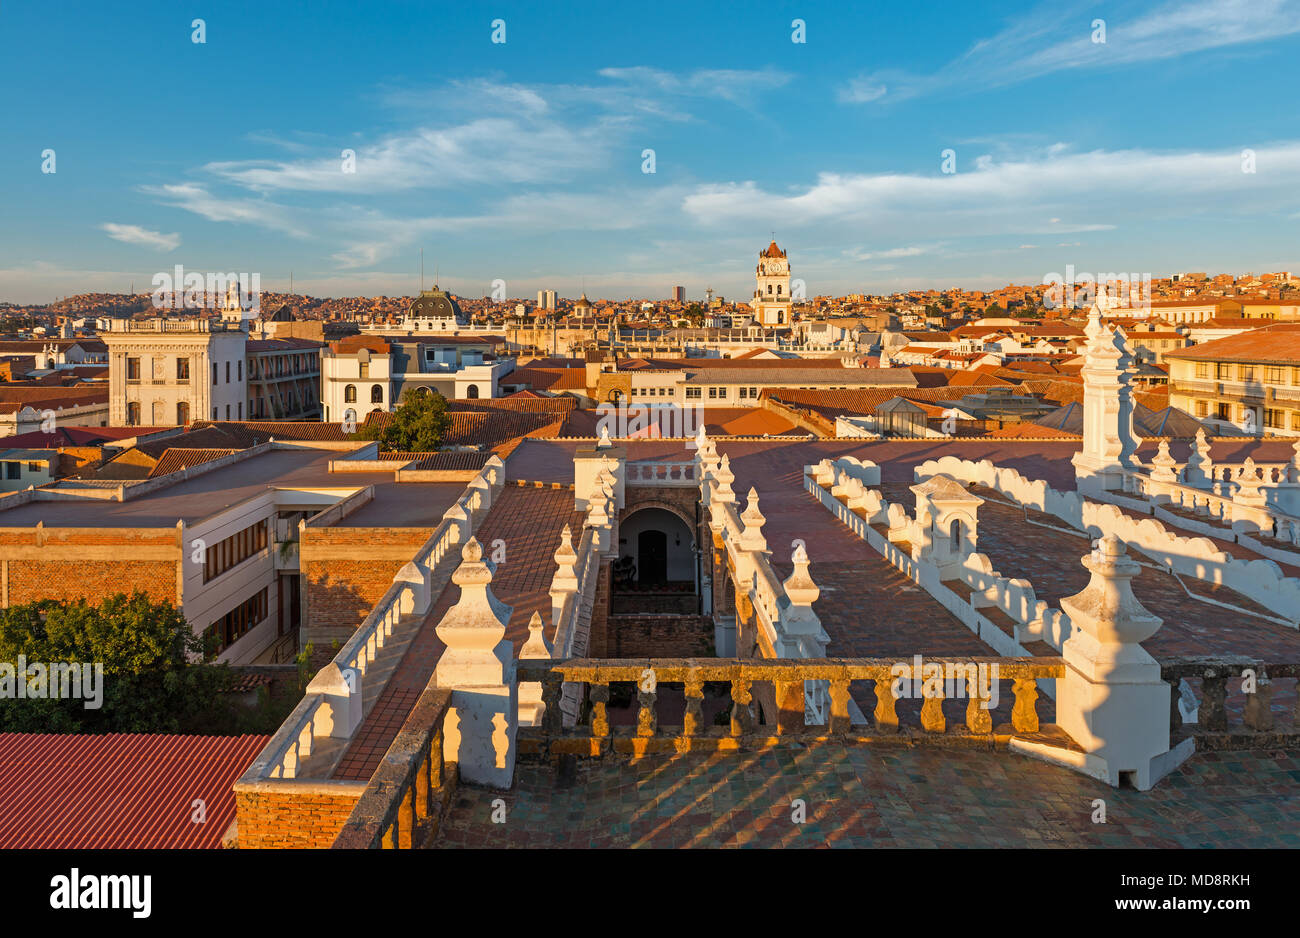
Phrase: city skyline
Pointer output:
(523, 160)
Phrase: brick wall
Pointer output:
(89, 563)
(348, 570)
(297, 819)
(597, 642)
(660, 636)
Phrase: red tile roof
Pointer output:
(174, 460)
(1278, 343)
(118, 790)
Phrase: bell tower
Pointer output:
(772, 294)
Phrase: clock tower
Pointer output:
(772, 295)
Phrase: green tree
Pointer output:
(154, 677)
(417, 426)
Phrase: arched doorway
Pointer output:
(657, 566)
(652, 558)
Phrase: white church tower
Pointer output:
(1108, 438)
(772, 296)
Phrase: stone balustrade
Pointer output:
(402, 805)
(334, 703)
(293, 742)
(662, 472)
(596, 737)
(1217, 726)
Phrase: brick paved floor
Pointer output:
(528, 522)
(859, 796)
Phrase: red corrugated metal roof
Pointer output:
(118, 790)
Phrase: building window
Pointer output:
(227, 372)
(1223, 371)
(692, 394)
(376, 394)
(1274, 418)
(240, 413)
(183, 413)
(34, 467)
(350, 394)
(1222, 412)
(1202, 369)
(133, 414)
(239, 370)
(214, 410)
(13, 470)
(133, 369)
(1246, 372)
(182, 369)
(227, 411)
(1273, 374)
(1202, 409)
(365, 369)
(239, 621)
(471, 392)
(234, 550)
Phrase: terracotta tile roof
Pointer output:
(451, 461)
(559, 405)
(973, 378)
(77, 436)
(350, 345)
(174, 460)
(1023, 431)
(252, 432)
(118, 790)
(548, 379)
(864, 401)
(1278, 343)
(40, 398)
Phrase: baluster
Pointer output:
(436, 756)
(406, 832)
(1259, 705)
(742, 718)
(552, 688)
(839, 715)
(1213, 713)
(1024, 715)
(979, 719)
(646, 722)
(388, 840)
(885, 716)
(693, 719)
(932, 719)
(598, 692)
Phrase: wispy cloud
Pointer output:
(1053, 192)
(1055, 39)
(134, 234)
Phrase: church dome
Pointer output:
(435, 304)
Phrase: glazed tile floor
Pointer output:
(862, 796)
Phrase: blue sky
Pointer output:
(523, 160)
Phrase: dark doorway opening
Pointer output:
(652, 551)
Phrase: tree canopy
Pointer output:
(417, 426)
(154, 679)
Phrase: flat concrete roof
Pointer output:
(404, 505)
(197, 498)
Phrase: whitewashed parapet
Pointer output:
(334, 703)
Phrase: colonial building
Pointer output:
(772, 295)
(1248, 382)
(364, 373)
(169, 372)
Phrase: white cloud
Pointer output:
(1054, 39)
(134, 234)
(1085, 191)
